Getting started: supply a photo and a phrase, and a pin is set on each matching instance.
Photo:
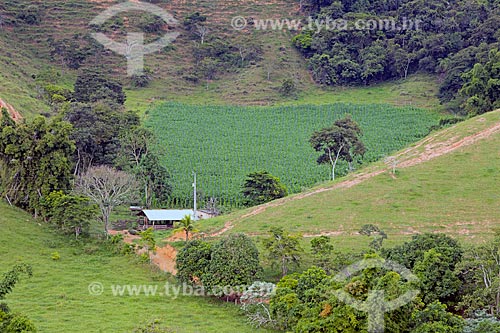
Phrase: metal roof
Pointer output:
(167, 214)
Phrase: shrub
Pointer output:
(193, 260)
(234, 263)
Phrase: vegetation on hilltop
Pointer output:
(405, 37)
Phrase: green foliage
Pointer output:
(72, 214)
(97, 131)
(283, 249)
(288, 87)
(435, 319)
(340, 142)
(187, 226)
(482, 322)
(137, 155)
(348, 55)
(12, 322)
(147, 240)
(433, 258)
(30, 14)
(322, 249)
(144, 79)
(480, 275)
(481, 89)
(192, 261)
(74, 52)
(231, 142)
(234, 263)
(261, 187)
(35, 159)
(92, 86)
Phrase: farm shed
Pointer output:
(160, 219)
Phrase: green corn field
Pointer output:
(222, 144)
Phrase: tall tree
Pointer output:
(107, 188)
(482, 86)
(283, 249)
(35, 159)
(98, 128)
(138, 156)
(340, 142)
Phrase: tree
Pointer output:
(434, 259)
(261, 187)
(378, 235)
(434, 318)
(322, 248)
(341, 141)
(288, 87)
(72, 214)
(186, 225)
(202, 32)
(192, 261)
(35, 159)
(480, 274)
(482, 86)
(107, 188)
(234, 263)
(283, 249)
(97, 131)
(12, 322)
(137, 156)
(208, 68)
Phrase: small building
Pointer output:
(161, 219)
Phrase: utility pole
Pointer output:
(194, 196)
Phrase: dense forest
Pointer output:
(449, 39)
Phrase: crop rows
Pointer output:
(223, 144)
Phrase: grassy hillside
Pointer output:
(224, 144)
(57, 299)
(25, 51)
(446, 183)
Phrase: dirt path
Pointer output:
(163, 257)
(16, 116)
(431, 151)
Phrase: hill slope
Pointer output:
(57, 297)
(448, 182)
(27, 50)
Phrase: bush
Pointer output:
(261, 187)
(192, 261)
(30, 14)
(288, 88)
(234, 263)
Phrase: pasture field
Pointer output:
(222, 144)
(57, 297)
(446, 183)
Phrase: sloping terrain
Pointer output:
(447, 182)
(58, 300)
(25, 52)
